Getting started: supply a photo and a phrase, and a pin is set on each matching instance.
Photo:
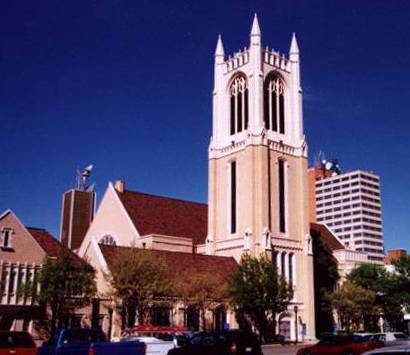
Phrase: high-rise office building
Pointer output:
(350, 205)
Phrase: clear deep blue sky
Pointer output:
(127, 85)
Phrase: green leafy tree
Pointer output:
(386, 286)
(401, 281)
(352, 303)
(256, 290)
(66, 283)
(139, 279)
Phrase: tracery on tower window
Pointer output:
(274, 104)
(239, 104)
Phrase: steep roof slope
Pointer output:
(52, 247)
(166, 216)
(179, 263)
(326, 236)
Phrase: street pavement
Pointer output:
(279, 349)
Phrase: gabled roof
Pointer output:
(47, 242)
(326, 236)
(5, 213)
(51, 246)
(179, 263)
(166, 216)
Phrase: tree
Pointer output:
(256, 290)
(66, 283)
(201, 290)
(401, 278)
(369, 276)
(139, 279)
(386, 286)
(352, 303)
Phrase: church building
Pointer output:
(257, 193)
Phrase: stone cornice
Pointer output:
(258, 138)
(286, 243)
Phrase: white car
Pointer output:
(393, 338)
(155, 346)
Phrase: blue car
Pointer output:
(88, 342)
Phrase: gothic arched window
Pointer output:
(108, 240)
(274, 104)
(239, 104)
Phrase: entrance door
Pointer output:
(219, 319)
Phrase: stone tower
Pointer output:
(258, 197)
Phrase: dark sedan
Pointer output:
(224, 343)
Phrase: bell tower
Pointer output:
(258, 202)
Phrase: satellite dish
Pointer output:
(89, 168)
(83, 176)
(328, 165)
(87, 171)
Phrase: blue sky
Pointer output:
(127, 85)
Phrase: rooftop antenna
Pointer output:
(82, 178)
(318, 159)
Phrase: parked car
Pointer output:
(88, 342)
(153, 345)
(158, 339)
(220, 343)
(342, 345)
(391, 350)
(17, 343)
(393, 338)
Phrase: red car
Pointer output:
(342, 345)
(17, 343)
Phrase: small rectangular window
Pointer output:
(6, 238)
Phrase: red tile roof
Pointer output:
(52, 247)
(326, 236)
(166, 216)
(178, 262)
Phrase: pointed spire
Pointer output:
(219, 51)
(294, 48)
(256, 30)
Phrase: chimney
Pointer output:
(120, 185)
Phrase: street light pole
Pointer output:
(110, 314)
(295, 309)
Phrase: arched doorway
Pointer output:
(285, 325)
